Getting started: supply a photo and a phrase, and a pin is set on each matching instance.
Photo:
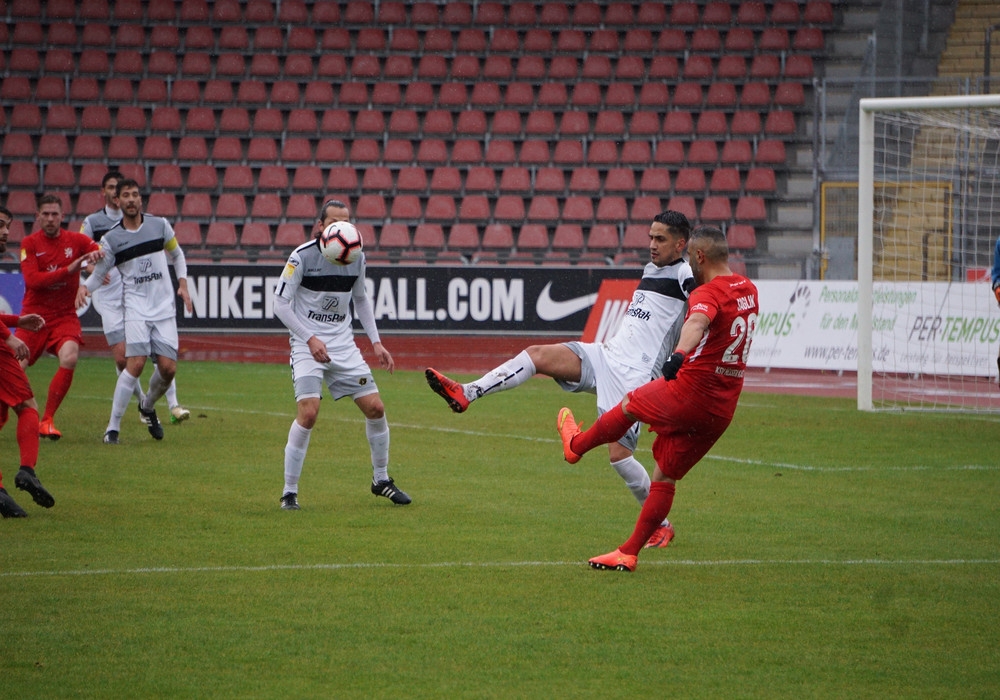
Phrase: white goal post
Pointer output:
(928, 219)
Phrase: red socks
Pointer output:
(27, 436)
(58, 388)
(609, 428)
(654, 510)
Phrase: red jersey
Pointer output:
(49, 288)
(716, 366)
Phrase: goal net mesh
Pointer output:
(935, 328)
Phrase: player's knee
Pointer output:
(372, 407)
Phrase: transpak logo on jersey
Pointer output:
(606, 316)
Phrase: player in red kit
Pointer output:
(15, 392)
(691, 406)
(50, 263)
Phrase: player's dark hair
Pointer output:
(48, 199)
(330, 203)
(6, 212)
(676, 221)
(111, 175)
(124, 184)
(718, 248)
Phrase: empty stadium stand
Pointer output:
(488, 131)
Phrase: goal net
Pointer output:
(928, 221)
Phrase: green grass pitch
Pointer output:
(820, 552)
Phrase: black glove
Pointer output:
(672, 364)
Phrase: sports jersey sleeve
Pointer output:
(363, 308)
(8, 321)
(173, 249)
(284, 293)
(101, 268)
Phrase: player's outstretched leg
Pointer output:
(568, 428)
(615, 560)
(448, 389)
(26, 480)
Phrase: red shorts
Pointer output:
(14, 386)
(51, 337)
(685, 427)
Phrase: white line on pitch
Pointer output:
(493, 565)
(529, 438)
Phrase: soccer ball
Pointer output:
(341, 243)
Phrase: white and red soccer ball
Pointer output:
(341, 243)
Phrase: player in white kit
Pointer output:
(632, 357)
(312, 299)
(138, 247)
(108, 297)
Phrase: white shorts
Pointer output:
(610, 380)
(144, 338)
(349, 376)
(112, 313)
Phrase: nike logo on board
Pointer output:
(550, 310)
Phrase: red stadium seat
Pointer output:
(203, 177)
(498, 153)
(678, 123)
(603, 238)
(716, 209)
(731, 67)
(464, 237)
(770, 152)
(428, 236)
(725, 180)
(664, 68)
(412, 179)
(608, 123)
(569, 236)
(751, 12)
(703, 151)
(741, 237)
(474, 208)
(645, 208)
(706, 39)
(585, 180)
(711, 123)
(685, 205)
(765, 67)
(468, 152)
(780, 122)
(440, 208)
(165, 204)
(550, 180)
(578, 208)
(808, 39)
(432, 152)
(510, 208)
(568, 153)
(687, 95)
(684, 13)
(789, 94)
(225, 149)
(289, 235)
(515, 179)
(406, 207)
(534, 152)
(272, 177)
(755, 94)
(690, 180)
(736, 152)
(342, 178)
(438, 122)
(745, 123)
(446, 179)
(636, 152)
(480, 179)
(773, 39)
(574, 123)
(612, 209)
(761, 179)
(751, 208)
(221, 234)
(563, 68)
(669, 153)
(602, 153)
(818, 12)
(621, 180)
(740, 39)
(644, 123)
(308, 177)
(543, 209)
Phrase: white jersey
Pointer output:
(320, 294)
(651, 325)
(147, 291)
(95, 226)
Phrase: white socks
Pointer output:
(124, 388)
(377, 431)
(512, 373)
(635, 475)
(295, 456)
